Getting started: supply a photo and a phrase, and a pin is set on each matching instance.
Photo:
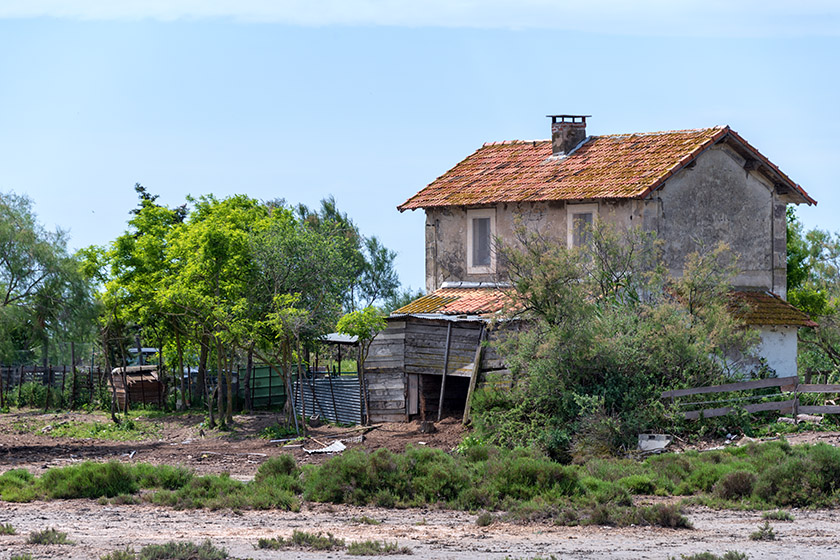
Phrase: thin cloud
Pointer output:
(751, 18)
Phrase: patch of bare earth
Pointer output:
(25, 443)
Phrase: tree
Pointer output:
(602, 332)
(364, 325)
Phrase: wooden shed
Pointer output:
(143, 383)
(433, 353)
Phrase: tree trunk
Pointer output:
(73, 372)
(204, 341)
(219, 374)
(229, 383)
(180, 349)
(246, 384)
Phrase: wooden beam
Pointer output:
(445, 365)
(474, 377)
(729, 387)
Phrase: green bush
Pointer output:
(48, 536)
(18, 485)
(735, 485)
(89, 480)
(638, 484)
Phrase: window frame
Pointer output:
(571, 210)
(481, 214)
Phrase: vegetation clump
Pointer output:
(303, 539)
(376, 548)
(7, 529)
(48, 536)
(764, 533)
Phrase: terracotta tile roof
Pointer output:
(458, 301)
(766, 308)
(602, 167)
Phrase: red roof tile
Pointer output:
(766, 308)
(603, 167)
(459, 301)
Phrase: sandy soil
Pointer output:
(98, 529)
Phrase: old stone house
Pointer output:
(691, 187)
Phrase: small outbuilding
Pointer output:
(140, 384)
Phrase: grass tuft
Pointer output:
(303, 539)
(182, 551)
(48, 536)
(376, 548)
(7, 529)
(778, 515)
(365, 520)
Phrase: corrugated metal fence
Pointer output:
(335, 399)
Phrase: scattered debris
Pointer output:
(131, 455)
(315, 421)
(654, 443)
(334, 447)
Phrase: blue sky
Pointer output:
(369, 101)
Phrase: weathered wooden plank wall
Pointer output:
(385, 375)
(417, 346)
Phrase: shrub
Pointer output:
(728, 555)
(376, 548)
(764, 533)
(735, 485)
(664, 515)
(778, 515)
(182, 551)
(17, 485)
(638, 484)
(162, 476)
(303, 539)
(282, 465)
(22, 556)
(125, 554)
(365, 520)
(485, 519)
(89, 480)
(48, 536)
(7, 529)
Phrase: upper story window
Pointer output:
(579, 220)
(481, 229)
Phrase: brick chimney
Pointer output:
(567, 131)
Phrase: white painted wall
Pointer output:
(778, 346)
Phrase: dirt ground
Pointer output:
(98, 529)
(183, 441)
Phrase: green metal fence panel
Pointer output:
(267, 390)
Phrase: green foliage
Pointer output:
(48, 536)
(182, 551)
(485, 519)
(7, 529)
(605, 332)
(376, 548)
(124, 554)
(88, 480)
(22, 556)
(764, 533)
(728, 555)
(17, 485)
(778, 515)
(303, 539)
(365, 520)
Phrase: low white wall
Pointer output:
(778, 346)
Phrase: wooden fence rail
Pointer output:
(785, 384)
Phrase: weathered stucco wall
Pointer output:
(718, 200)
(714, 200)
(446, 232)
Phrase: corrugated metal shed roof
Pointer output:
(458, 301)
